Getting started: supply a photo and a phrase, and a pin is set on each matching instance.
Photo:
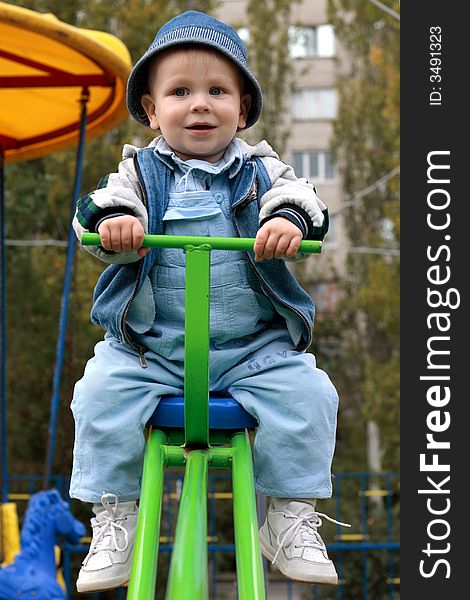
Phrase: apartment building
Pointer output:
(313, 105)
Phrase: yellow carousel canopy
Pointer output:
(45, 65)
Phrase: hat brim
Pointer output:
(137, 83)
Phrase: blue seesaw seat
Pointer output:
(224, 413)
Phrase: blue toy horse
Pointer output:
(33, 574)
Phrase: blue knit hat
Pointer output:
(193, 27)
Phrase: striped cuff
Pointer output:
(298, 216)
(295, 215)
(108, 213)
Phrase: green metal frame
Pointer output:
(188, 575)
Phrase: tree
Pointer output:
(269, 59)
(366, 148)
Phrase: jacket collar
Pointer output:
(231, 161)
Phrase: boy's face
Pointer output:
(195, 100)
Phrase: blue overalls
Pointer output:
(251, 357)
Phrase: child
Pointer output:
(193, 85)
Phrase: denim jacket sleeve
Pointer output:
(116, 194)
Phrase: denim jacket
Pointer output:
(119, 283)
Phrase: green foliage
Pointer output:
(366, 148)
(65, 11)
(269, 59)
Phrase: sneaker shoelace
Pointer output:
(306, 524)
(107, 527)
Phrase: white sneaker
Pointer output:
(289, 538)
(108, 562)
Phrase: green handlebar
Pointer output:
(215, 243)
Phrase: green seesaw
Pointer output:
(197, 432)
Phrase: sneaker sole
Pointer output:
(315, 580)
(111, 584)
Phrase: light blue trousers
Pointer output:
(294, 401)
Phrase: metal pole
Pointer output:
(64, 306)
(196, 348)
(250, 574)
(188, 576)
(3, 386)
(214, 243)
(144, 562)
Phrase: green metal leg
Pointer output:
(144, 563)
(188, 576)
(248, 555)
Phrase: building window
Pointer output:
(311, 42)
(313, 164)
(314, 103)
